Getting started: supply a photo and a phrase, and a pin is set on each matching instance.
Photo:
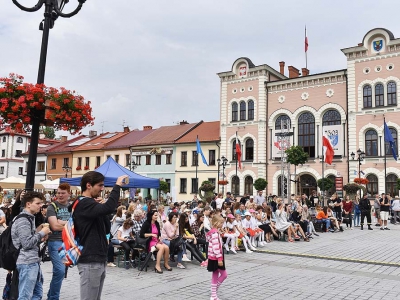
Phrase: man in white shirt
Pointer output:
(219, 201)
(260, 199)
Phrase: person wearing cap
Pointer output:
(259, 232)
(247, 225)
(243, 234)
(231, 233)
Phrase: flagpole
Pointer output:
(234, 194)
(323, 171)
(197, 163)
(306, 42)
(384, 150)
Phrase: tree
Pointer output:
(260, 184)
(48, 132)
(295, 155)
(163, 186)
(325, 184)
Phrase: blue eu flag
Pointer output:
(390, 140)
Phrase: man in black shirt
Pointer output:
(244, 199)
(385, 205)
(365, 207)
(91, 225)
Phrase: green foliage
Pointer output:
(325, 184)
(48, 132)
(207, 186)
(163, 186)
(260, 184)
(296, 155)
(352, 188)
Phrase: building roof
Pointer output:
(129, 139)
(167, 134)
(100, 141)
(206, 131)
(8, 130)
(69, 145)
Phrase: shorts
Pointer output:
(384, 215)
(378, 213)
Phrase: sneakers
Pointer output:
(249, 251)
(180, 266)
(110, 264)
(127, 265)
(204, 263)
(233, 250)
(226, 247)
(316, 234)
(185, 258)
(382, 228)
(386, 228)
(252, 248)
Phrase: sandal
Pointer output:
(296, 237)
(290, 241)
(306, 239)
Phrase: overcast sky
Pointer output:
(155, 62)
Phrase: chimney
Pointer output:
(183, 122)
(360, 44)
(64, 138)
(293, 72)
(92, 133)
(282, 67)
(147, 127)
(305, 72)
(126, 129)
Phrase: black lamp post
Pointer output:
(53, 10)
(360, 158)
(67, 169)
(133, 166)
(222, 162)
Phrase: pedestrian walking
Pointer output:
(216, 262)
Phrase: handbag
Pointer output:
(175, 245)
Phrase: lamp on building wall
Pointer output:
(133, 166)
(67, 169)
(360, 158)
(222, 162)
(53, 10)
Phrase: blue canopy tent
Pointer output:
(112, 170)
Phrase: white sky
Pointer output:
(155, 62)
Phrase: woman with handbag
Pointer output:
(190, 240)
(170, 237)
(151, 229)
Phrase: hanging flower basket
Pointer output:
(78, 168)
(223, 182)
(364, 181)
(21, 102)
(86, 167)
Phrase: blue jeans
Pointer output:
(180, 253)
(58, 271)
(327, 223)
(357, 218)
(30, 282)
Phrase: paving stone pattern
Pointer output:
(270, 276)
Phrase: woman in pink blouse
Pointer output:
(170, 232)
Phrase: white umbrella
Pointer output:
(53, 184)
(12, 183)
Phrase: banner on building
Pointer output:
(281, 141)
(335, 135)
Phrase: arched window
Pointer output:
(19, 140)
(391, 185)
(249, 150)
(372, 186)
(367, 96)
(250, 110)
(248, 185)
(331, 117)
(282, 119)
(235, 185)
(388, 150)
(307, 185)
(234, 149)
(242, 110)
(379, 101)
(282, 193)
(391, 93)
(371, 143)
(234, 111)
(306, 133)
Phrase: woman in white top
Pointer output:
(125, 240)
(282, 223)
(117, 220)
(396, 210)
(231, 233)
(219, 201)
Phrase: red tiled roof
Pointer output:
(46, 141)
(101, 141)
(66, 146)
(166, 134)
(129, 139)
(206, 131)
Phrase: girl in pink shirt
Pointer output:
(216, 263)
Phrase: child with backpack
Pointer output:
(216, 263)
(26, 238)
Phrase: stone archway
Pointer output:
(307, 183)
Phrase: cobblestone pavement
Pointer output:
(282, 275)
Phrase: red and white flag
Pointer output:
(238, 152)
(328, 150)
(305, 41)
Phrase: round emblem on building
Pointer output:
(234, 91)
(366, 70)
(242, 89)
(250, 88)
(390, 67)
(329, 92)
(378, 69)
(281, 99)
(305, 96)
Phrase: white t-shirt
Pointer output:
(229, 225)
(246, 223)
(125, 232)
(219, 202)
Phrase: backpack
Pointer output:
(70, 249)
(8, 253)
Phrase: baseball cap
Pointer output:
(230, 216)
(247, 214)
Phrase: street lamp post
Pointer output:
(67, 169)
(53, 10)
(360, 158)
(222, 162)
